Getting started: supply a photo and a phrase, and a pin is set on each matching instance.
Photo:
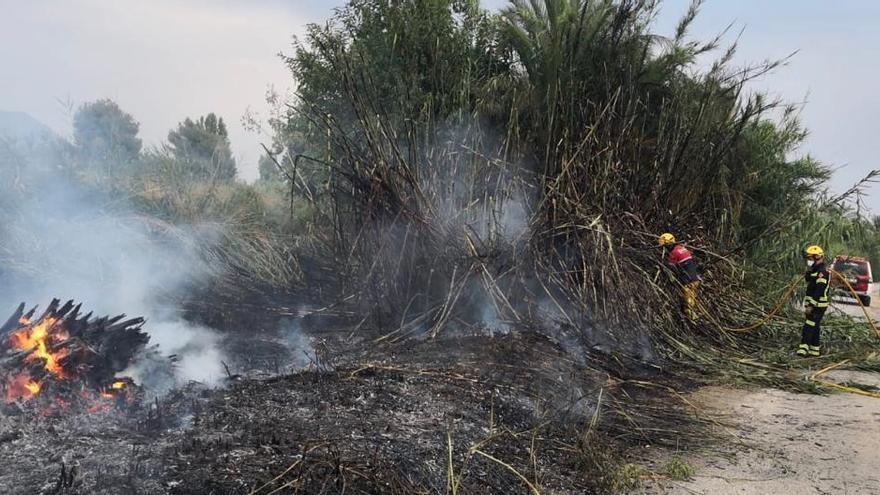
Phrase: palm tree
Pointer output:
(546, 37)
(578, 55)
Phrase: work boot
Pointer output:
(815, 350)
(803, 350)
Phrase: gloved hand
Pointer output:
(808, 310)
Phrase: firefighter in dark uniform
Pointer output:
(816, 301)
(685, 266)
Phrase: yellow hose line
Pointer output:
(779, 305)
(850, 390)
(815, 376)
(843, 388)
(767, 317)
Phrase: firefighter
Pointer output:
(685, 266)
(815, 302)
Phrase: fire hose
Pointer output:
(792, 287)
(843, 388)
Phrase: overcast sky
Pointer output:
(164, 60)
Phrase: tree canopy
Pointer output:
(104, 134)
(203, 144)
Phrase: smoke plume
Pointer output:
(60, 240)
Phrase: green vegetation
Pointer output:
(189, 182)
(105, 137)
(593, 456)
(625, 478)
(678, 470)
(203, 147)
(605, 132)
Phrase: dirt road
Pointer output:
(852, 308)
(791, 443)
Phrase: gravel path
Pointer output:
(791, 443)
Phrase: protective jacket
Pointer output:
(684, 263)
(817, 286)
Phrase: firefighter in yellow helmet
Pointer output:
(816, 301)
(685, 265)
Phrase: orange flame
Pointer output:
(40, 341)
(21, 387)
(37, 339)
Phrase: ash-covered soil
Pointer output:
(107, 452)
(505, 414)
(386, 426)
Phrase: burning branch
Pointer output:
(68, 355)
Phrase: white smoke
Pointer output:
(492, 322)
(513, 221)
(302, 352)
(197, 347)
(59, 241)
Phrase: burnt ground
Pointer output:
(503, 414)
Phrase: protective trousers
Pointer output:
(810, 344)
(689, 299)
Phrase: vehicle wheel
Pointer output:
(866, 300)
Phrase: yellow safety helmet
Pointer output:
(814, 251)
(665, 239)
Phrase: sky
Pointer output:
(165, 60)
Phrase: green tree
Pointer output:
(203, 145)
(775, 186)
(410, 59)
(105, 136)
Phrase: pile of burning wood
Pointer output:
(62, 360)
